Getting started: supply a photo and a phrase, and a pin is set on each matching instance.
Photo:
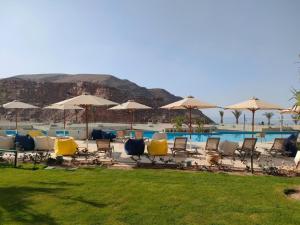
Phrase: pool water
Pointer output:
(229, 136)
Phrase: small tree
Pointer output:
(222, 116)
(200, 125)
(237, 115)
(296, 119)
(269, 115)
(178, 122)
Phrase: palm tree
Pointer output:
(237, 115)
(178, 122)
(221, 115)
(296, 119)
(269, 115)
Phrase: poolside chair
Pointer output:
(159, 136)
(157, 148)
(139, 134)
(104, 146)
(135, 147)
(180, 144)
(247, 147)
(278, 147)
(121, 136)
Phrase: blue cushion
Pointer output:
(291, 145)
(135, 147)
(25, 142)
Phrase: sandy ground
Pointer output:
(120, 156)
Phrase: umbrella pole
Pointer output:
(253, 113)
(131, 122)
(65, 120)
(16, 119)
(190, 123)
(87, 126)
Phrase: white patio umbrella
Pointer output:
(189, 103)
(85, 101)
(130, 106)
(64, 108)
(17, 105)
(253, 105)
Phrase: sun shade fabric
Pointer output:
(254, 104)
(189, 102)
(44, 143)
(63, 107)
(158, 148)
(130, 105)
(18, 105)
(25, 142)
(65, 147)
(86, 99)
(7, 142)
(135, 147)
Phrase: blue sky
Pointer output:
(222, 52)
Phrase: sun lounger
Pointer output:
(104, 146)
(122, 136)
(180, 144)
(157, 148)
(139, 134)
(159, 136)
(135, 147)
(247, 147)
(278, 147)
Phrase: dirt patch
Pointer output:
(293, 193)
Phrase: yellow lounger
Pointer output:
(65, 147)
(158, 147)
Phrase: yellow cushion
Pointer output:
(34, 133)
(64, 147)
(158, 147)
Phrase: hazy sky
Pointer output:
(220, 51)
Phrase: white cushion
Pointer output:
(44, 143)
(7, 142)
(297, 159)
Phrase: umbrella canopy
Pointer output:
(64, 108)
(253, 105)
(131, 106)
(18, 105)
(189, 103)
(85, 101)
(289, 111)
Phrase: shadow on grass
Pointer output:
(15, 201)
(61, 183)
(91, 203)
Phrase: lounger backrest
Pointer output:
(139, 134)
(103, 143)
(120, 133)
(212, 144)
(180, 142)
(279, 144)
(159, 136)
(249, 143)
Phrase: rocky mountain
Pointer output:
(45, 89)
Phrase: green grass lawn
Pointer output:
(106, 196)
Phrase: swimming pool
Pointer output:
(235, 136)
